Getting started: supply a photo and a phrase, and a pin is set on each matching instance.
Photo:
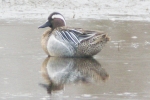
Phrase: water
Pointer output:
(119, 72)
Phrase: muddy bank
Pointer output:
(97, 9)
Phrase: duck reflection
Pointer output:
(60, 71)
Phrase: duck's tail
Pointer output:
(101, 38)
(106, 37)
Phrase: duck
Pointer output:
(63, 41)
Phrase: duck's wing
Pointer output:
(75, 36)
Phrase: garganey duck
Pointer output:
(64, 41)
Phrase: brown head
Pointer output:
(54, 20)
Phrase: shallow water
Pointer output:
(119, 72)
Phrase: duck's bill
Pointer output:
(47, 24)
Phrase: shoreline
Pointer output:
(138, 10)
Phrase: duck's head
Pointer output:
(54, 20)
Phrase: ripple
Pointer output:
(1, 47)
(135, 45)
(134, 37)
(147, 43)
(127, 94)
(86, 95)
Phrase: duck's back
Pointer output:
(75, 42)
(93, 44)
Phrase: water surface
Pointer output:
(119, 72)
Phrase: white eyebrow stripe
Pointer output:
(59, 16)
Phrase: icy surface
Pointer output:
(95, 9)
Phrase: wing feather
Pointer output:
(74, 36)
